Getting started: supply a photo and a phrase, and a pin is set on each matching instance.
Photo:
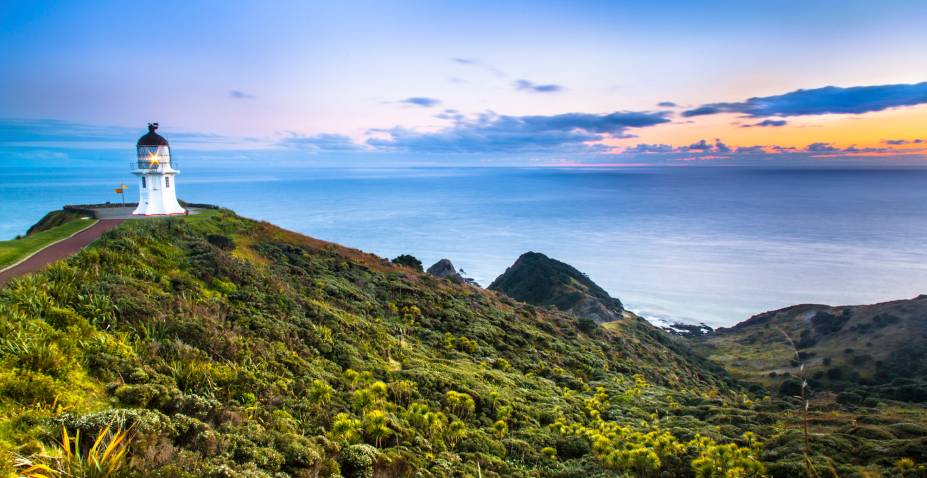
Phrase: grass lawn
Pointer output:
(16, 249)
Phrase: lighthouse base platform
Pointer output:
(118, 211)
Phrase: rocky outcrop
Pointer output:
(445, 269)
(537, 279)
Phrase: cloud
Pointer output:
(421, 101)
(525, 85)
(650, 148)
(59, 133)
(704, 152)
(491, 132)
(853, 149)
(767, 123)
(450, 114)
(826, 100)
(325, 142)
(667, 104)
(240, 95)
(702, 110)
(473, 62)
(821, 148)
(47, 130)
(899, 142)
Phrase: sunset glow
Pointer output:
(442, 84)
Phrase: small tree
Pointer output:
(460, 404)
(346, 428)
(409, 261)
(376, 424)
(500, 428)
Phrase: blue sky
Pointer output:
(471, 82)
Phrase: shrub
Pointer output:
(409, 261)
(790, 388)
(357, 461)
(220, 241)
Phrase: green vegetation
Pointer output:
(537, 279)
(231, 348)
(17, 249)
(56, 218)
(103, 459)
(864, 354)
(409, 261)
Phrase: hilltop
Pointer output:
(230, 347)
(537, 279)
(863, 353)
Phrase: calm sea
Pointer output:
(712, 245)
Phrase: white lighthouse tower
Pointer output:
(157, 185)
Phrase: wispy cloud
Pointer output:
(240, 95)
(821, 148)
(325, 142)
(826, 100)
(767, 123)
(490, 132)
(718, 152)
(899, 142)
(475, 63)
(525, 85)
(421, 101)
(667, 104)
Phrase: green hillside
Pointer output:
(53, 227)
(216, 346)
(862, 353)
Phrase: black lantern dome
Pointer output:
(152, 138)
(153, 150)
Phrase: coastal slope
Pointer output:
(224, 346)
(863, 353)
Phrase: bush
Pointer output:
(790, 388)
(357, 461)
(849, 398)
(220, 241)
(409, 261)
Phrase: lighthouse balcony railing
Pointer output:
(152, 166)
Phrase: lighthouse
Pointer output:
(157, 185)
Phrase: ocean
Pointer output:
(711, 245)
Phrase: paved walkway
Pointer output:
(59, 250)
(126, 213)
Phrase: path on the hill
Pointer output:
(59, 250)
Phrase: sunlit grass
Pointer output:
(105, 457)
(16, 249)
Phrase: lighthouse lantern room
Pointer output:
(157, 185)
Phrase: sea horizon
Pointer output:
(746, 243)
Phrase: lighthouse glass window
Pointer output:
(153, 157)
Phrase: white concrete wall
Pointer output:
(157, 198)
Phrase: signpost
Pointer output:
(122, 190)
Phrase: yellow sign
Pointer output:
(119, 190)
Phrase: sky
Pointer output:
(572, 83)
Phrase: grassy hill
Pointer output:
(55, 226)
(862, 353)
(217, 346)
